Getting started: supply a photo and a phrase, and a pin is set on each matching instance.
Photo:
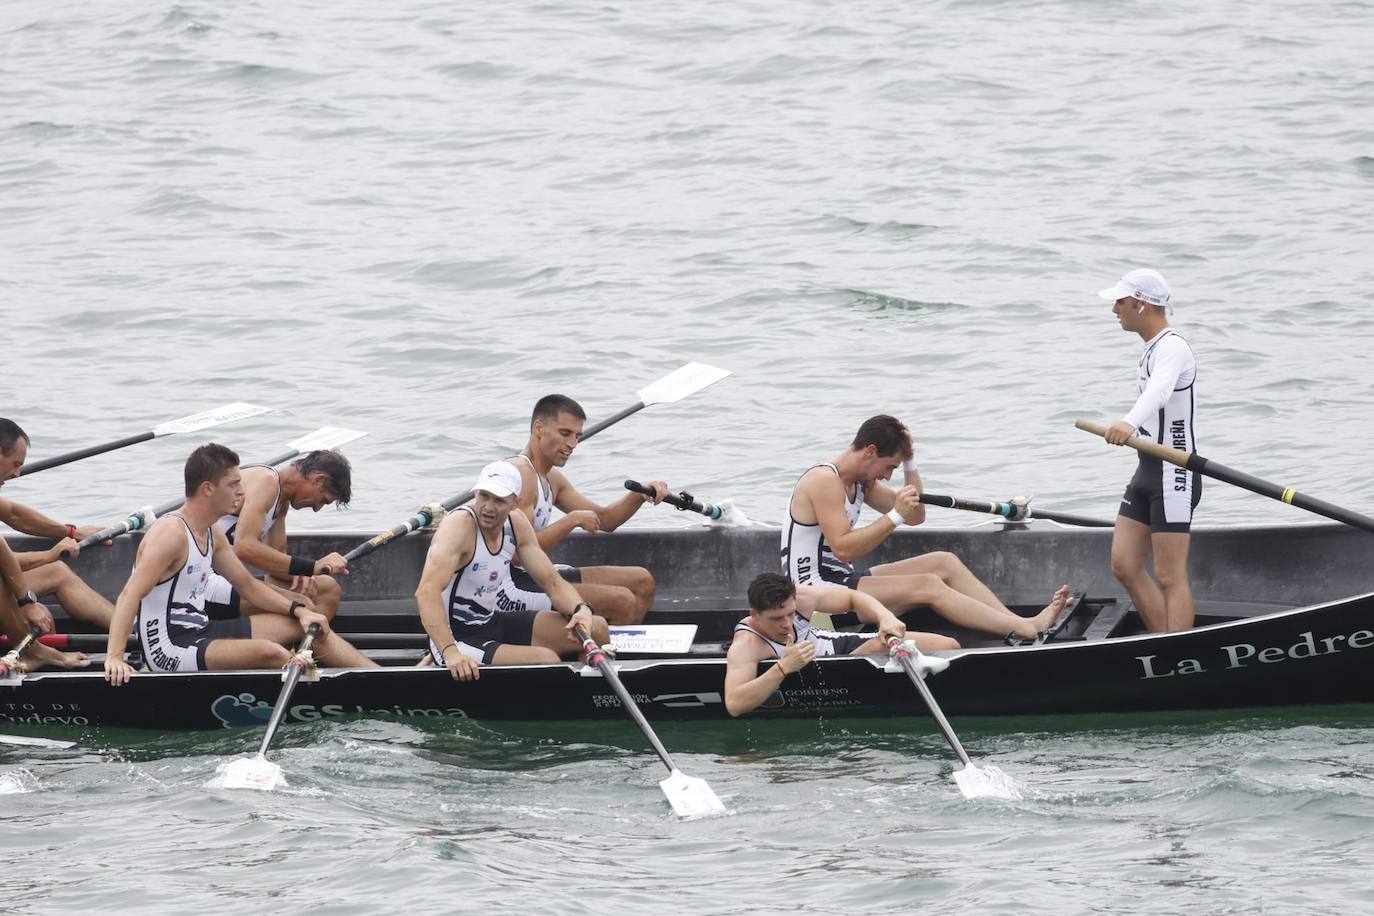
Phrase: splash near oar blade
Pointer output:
(986, 782)
(26, 741)
(256, 772)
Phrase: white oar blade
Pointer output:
(254, 773)
(25, 741)
(661, 638)
(690, 796)
(220, 415)
(986, 782)
(327, 437)
(679, 383)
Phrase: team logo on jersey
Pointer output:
(479, 566)
(494, 576)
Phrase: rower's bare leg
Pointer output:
(15, 625)
(903, 593)
(507, 654)
(77, 598)
(621, 594)
(326, 599)
(636, 580)
(222, 654)
(1131, 544)
(333, 650)
(1171, 570)
(551, 632)
(951, 571)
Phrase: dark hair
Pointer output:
(333, 466)
(550, 406)
(208, 464)
(10, 433)
(887, 433)
(769, 591)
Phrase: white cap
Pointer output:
(500, 479)
(1144, 284)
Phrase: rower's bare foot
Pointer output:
(1046, 618)
(51, 658)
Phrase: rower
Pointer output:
(820, 541)
(45, 574)
(166, 591)
(778, 626)
(257, 531)
(469, 558)
(623, 594)
(19, 609)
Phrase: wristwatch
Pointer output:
(26, 599)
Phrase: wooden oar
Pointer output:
(258, 772)
(1192, 461)
(324, 437)
(674, 386)
(690, 796)
(10, 665)
(217, 417)
(1015, 510)
(988, 782)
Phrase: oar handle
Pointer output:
(1141, 444)
(595, 656)
(11, 661)
(683, 500)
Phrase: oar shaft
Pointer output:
(610, 421)
(1010, 510)
(10, 661)
(299, 662)
(908, 664)
(1192, 461)
(59, 460)
(683, 500)
(603, 664)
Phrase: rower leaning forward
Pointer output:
(821, 539)
(257, 531)
(470, 556)
(172, 569)
(622, 594)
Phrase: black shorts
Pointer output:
(1162, 496)
(849, 578)
(480, 641)
(188, 645)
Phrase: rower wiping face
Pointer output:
(776, 623)
(495, 495)
(875, 467)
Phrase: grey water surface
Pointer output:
(415, 218)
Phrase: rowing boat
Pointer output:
(1286, 616)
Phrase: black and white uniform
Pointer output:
(827, 643)
(221, 601)
(173, 628)
(480, 625)
(1160, 494)
(520, 591)
(806, 558)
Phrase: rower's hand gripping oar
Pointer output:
(1192, 461)
(987, 782)
(1015, 510)
(11, 667)
(690, 796)
(674, 386)
(322, 438)
(205, 420)
(258, 772)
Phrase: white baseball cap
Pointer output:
(500, 479)
(1144, 284)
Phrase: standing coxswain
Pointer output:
(1156, 513)
(470, 556)
(172, 569)
(622, 594)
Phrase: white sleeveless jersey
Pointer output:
(806, 558)
(230, 523)
(176, 606)
(471, 593)
(1165, 383)
(543, 504)
(802, 630)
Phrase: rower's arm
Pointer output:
(161, 553)
(537, 563)
(12, 571)
(30, 521)
(608, 518)
(745, 688)
(251, 588)
(1171, 361)
(454, 540)
(825, 492)
(832, 600)
(259, 496)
